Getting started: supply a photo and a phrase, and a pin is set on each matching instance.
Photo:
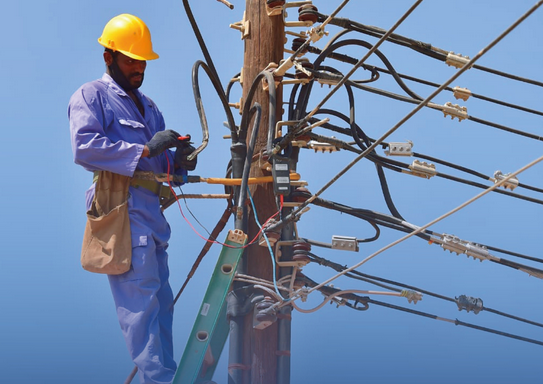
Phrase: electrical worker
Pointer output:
(115, 127)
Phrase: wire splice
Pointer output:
(455, 244)
(469, 303)
(456, 60)
(422, 169)
(461, 93)
(510, 183)
(411, 296)
(454, 110)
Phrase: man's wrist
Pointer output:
(145, 152)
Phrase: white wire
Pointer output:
(339, 293)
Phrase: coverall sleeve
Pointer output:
(88, 113)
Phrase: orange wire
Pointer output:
(207, 239)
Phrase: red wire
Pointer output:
(204, 238)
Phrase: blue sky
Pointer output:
(58, 323)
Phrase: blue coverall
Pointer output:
(108, 132)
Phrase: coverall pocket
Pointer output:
(107, 246)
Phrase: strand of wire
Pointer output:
(397, 165)
(423, 103)
(360, 62)
(376, 281)
(424, 227)
(424, 48)
(366, 301)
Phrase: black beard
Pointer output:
(114, 71)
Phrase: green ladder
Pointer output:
(211, 327)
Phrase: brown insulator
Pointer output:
(297, 43)
(301, 246)
(300, 195)
(308, 12)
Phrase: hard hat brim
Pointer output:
(148, 56)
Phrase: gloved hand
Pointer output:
(161, 141)
(184, 149)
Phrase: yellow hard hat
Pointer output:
(129, 35)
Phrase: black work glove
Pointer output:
(161, 141)
(184, 149)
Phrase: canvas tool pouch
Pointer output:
(107, 244)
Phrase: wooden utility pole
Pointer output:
(263, 45)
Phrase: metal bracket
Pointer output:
(345, 243)
(399, 149)
(243, 26)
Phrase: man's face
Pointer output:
(132, 69)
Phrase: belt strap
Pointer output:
(159, 189)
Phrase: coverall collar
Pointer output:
(121, 92)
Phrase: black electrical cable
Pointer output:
(472, 118)
(326, 290)
(375, 280)
(213, 75)
(483, 186)
(396, 165)
(418, 46)
(255, 111)
(372, 157)
(400, 225)
(378, 218)
(455, 322)
(243, 126)
(474, 95)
